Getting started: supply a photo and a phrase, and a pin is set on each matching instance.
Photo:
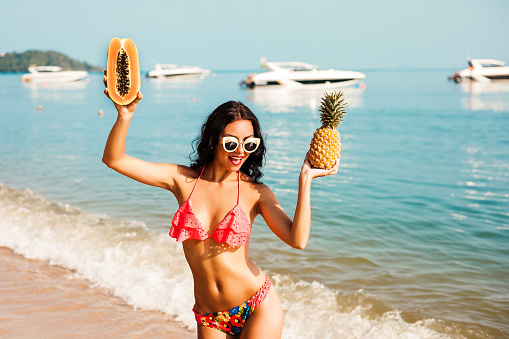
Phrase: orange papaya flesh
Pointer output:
(123, 71)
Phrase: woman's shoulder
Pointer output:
(247, 179)
(186, 173)
(184, 177)
(256, 187)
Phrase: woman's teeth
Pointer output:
(235, 160)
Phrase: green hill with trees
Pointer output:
(19, 62)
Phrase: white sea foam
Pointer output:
(144, 268)
(313, 311)
(148, 270)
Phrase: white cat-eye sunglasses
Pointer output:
(230, 144)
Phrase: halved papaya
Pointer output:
(123, 71)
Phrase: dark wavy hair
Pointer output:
(205, 144)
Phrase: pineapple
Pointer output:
(325, 146)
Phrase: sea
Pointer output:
(409, 240)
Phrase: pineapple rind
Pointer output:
(325, 148)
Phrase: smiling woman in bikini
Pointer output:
(219, 196)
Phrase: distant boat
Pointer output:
(171, 71)
(301, 75)
(482, 70)
(52, 74)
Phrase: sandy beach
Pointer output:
(43, 301)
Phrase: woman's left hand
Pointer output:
(126, 111)
(308, 170)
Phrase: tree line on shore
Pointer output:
(19, 62)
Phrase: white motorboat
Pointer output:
(52, 74)
(171, 71)
(482, 70)
(300, 74)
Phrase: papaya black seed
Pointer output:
(123, 83)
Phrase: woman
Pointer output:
(232, 295)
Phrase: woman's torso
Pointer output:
(224, 276)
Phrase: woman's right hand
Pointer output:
(126, 111)
(308, 171)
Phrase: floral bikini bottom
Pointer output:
(232, 320)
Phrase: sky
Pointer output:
(236, 34)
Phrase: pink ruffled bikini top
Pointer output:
(234, 230)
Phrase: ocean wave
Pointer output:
(148, 270)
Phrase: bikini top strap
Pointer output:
(238, 188)
(196, 183)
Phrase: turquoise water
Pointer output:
(408, 240)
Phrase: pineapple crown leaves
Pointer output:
(333, 109)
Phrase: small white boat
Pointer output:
(482, 70)
(52, 74)
(301, 75)
(171, 71)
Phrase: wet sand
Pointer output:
(43, 301)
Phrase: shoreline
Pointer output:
(45, 301)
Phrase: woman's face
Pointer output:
(240, 129)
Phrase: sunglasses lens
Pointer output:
(230, 146)
(250, 146)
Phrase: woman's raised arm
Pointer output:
(154, 174)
